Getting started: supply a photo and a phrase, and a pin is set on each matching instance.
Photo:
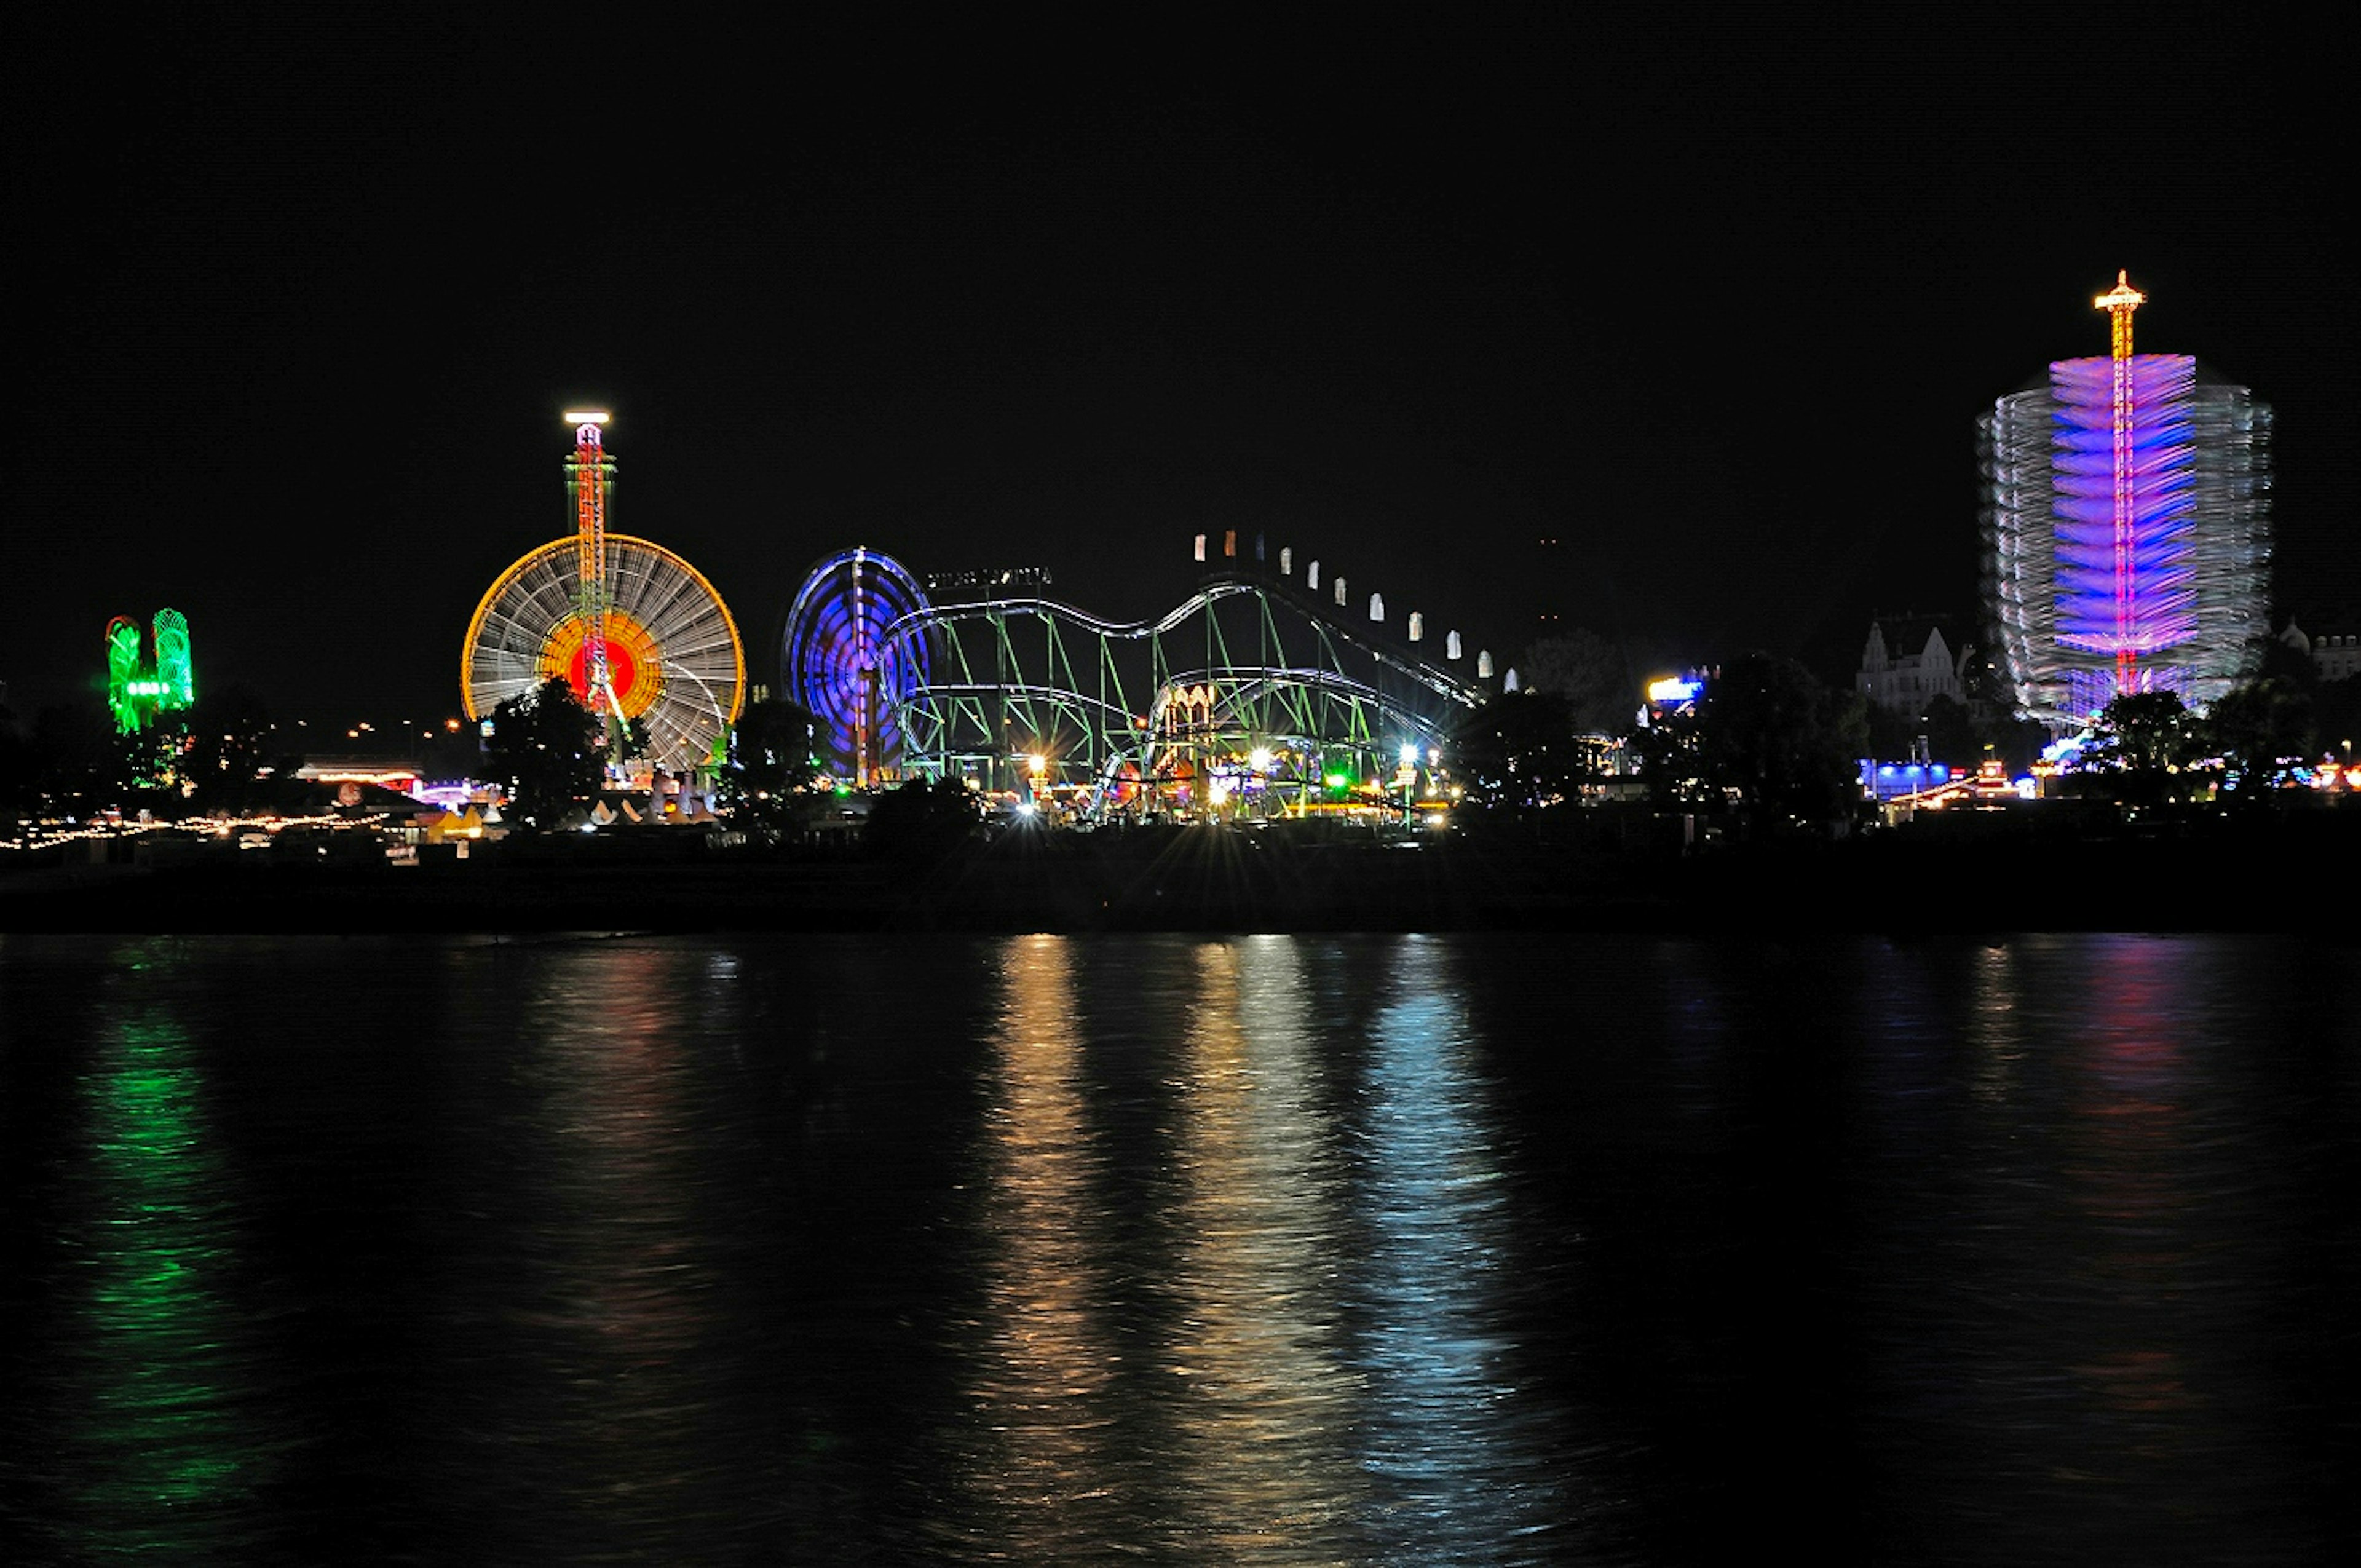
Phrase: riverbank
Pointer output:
(2199, 874)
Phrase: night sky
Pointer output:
(293, 314)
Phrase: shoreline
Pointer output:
(2278, 875)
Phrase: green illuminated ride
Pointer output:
(137, 688)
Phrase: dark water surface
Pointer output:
(1272, 1249)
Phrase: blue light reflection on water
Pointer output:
(1472, 1455)
(1175, 1249)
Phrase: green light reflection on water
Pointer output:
(161, 1442)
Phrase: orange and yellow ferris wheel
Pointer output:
(674, 660)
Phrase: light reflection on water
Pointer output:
(1262, 1398)
(1466, 1450)
(154, 1380)
(1323, 1375)
(602, 1356)
(1042, 1473)
(1289, 1250)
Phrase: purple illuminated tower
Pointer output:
(2127, 528)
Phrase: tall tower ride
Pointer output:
(2119, 303)
(591, 475)
(2127, 528)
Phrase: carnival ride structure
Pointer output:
(2127, 524)
(835, 660)
(1251, 692)
(138, 688)
(635, 630)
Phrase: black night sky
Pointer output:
(295, 312)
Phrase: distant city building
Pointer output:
(1906, 664)
(2334, 655)
(2127, 529)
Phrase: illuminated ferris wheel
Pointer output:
(634, 629)
(836, 660)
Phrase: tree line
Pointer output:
(1768, 738)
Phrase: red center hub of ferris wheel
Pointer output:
(622, 671)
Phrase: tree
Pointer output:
(627, 739)
(1942, 723)
(770, 759)
(230, 742)
(1766, 729)
(20, 778)
(1588, 673)
(2258, 728)
(1519, 754)
(922, 820)
(2144, 731)
(1670, 750)
(2336, 717)
(545, 748)
(83, 762)
(1992, 716)
(2144, 738)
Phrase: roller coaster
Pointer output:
(1250, 694)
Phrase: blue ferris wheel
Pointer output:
(836, 661)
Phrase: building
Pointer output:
(1906, 664)
(2335, 655)
(2127, 529)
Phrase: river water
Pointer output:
(1411, 1250)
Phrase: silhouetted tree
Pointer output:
(2140, 742)
(1992, 709)
(1767, 728)
(626, 738)
(1941, 722)
(229, 740)
(770, 759)
(545, 748)
(2143, 731)
(2336, 718)
(20, 773)
(1671, 750)
(82, 763)
(1589, 675)
(1518, 754)
(924, 821)
(2257, 728)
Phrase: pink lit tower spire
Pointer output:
(2119, 302)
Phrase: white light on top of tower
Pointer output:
(2123, 296)
(585, 416)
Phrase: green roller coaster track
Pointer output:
(1243, 665)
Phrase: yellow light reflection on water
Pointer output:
(1048, 1488)
(1266, 1402)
